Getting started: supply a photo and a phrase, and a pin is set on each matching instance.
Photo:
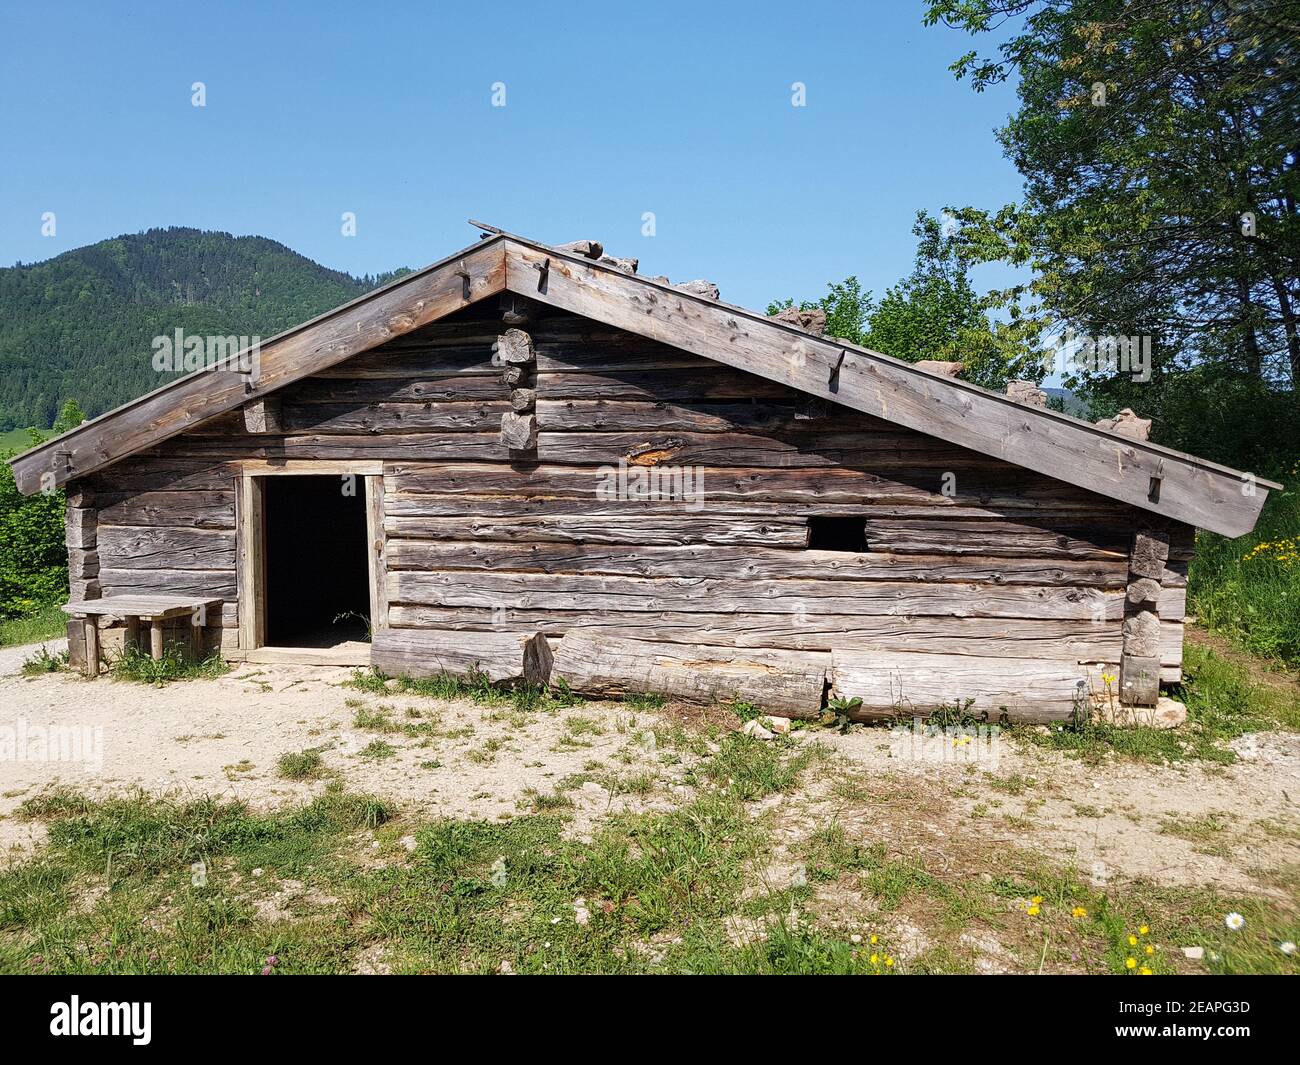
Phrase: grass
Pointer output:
(46, 624)
(301, 765)
(1248, 589)
(160, 885)
(476, 687)
(143, 884)
(1223, 703)
(176, 663)
(44, 662)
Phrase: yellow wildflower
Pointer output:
(1130, 963)
(1143, 930)
(1078, 911)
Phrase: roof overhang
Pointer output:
(1165, 482)
(406, 304)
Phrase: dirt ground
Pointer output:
(1184, 824)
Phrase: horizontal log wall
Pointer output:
(964, 555)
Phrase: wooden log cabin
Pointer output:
(528, 461)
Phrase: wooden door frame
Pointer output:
(250, 545)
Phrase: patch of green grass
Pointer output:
(1222, 704)
(301, 765)
(751, 769)
(45, 624)
(377, 750)
(643, 701)
(1248, 588)
(44, 662)
(176, 663)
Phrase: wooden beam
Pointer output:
(783, 682)
(376, 553)
(503, 657)
(251, 573)
(263, 416)
(1194, 491)
(408, 304)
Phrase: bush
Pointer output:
(1249, 589)
(33, 557)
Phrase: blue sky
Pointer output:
(680, 109)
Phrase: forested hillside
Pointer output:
(79, 326)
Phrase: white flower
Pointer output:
(1288, 947)
(858, 939)
(1235, 921)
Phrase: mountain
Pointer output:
(81, 325)
(1072, 403)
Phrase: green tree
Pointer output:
(70, 416)
(1158, 145)
(933, 313)
(33, 558)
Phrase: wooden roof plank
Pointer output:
(1191, 490)
(409, 303)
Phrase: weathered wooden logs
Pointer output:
(1139, 674)
(894, 683)
(503, 657)
(519, 431)
(263, 415)
(782, 682)
(518, 427)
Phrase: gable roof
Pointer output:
(1154, 478)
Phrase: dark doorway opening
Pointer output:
(317, 574)
(837, 534)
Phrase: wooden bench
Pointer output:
(135, 609)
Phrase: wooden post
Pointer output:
(250, 534)
(515, 349)
(91, 629)
(376, 555)
(263, 415)
(156, 639)
(132, 638)
(1139, 670)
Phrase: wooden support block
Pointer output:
(263, 415)
(503, 657)
(132, 639)
(79, 494)
(523, 400)
(76, 644)
(515, 347)
(80, 588)
(518, 310)
(82, 565)
(781, 682)
(1144, 590)
(156, 639)
(91, 635)
(517, 376)
(519, 431)
(1149, 554)
(1142, 634)
(80, 524)
(1139, 680)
